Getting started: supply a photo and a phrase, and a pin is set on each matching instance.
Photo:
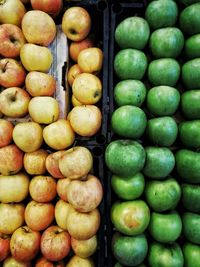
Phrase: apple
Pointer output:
(76, 47)
(11, 12)
(12, 217)
(55, 243)
(11, 160)
(90, 60)
(87, 88)
(14, 102)
(73, 72)
(11, 262)
(86, 120)
(52, 7)
(38, 27)
(75, 101)
(76, 23)
(42, 262)
(36, 57)
(40, 84)
(76, 162)
(6, 129)
(83, 226)
(34, 162)
(90, 196)
(25, 244)
(59, 135)
(52, 165)
(4, 246)
(62, 211)
(14, 188)
(11, 40)
(62, 185)
(84, 248)
(42, 188)
(28, 136)
(44, 109)
(12, 73)
(38, 216)
(78, 261)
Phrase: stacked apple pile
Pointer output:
(86, 86)
(36, 227)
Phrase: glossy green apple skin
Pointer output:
(191, 227)
(191, 255)
(191, 197)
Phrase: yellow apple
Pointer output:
(52, 165)
(59, 135)
(35, 57)
(75, 101)
(85, 120)
(40, 84)
(76, 23)
(12, 217)
(11, 262)
(83, 226)
(42, 188)
(28, 136)
(87, 88)
(38, 216)
(6, 129)
(14, 188)
(44, 109)
(76, 261)
(38, 27)
(84, 248)
(62, 185)
(76, 47)
(76, 162)
(34, 162)
(62, 211)
(11, 12)
(73, 72)
(90, 196)
(90, 60)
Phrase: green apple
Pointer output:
(130, 217)
(128, 250)
(163, 195)
(132, 32)
(129, 121)
(130, 64)
(191, 197)
(191, 227)
(190, 104)
(128, 188)
(191, 255)
(125, 157)
(130, 92)
(189, 133)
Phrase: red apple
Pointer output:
(55, 243)
(62, 185)
(38, 216)
(11, 40)
(12, 217)
(76, 23)
(73, 72)
(34, 162)
(38, 27)
(42, 188)
(11, 262)
(42, 262)
(14, 102)
(25, 244)
(11, 11)
(4, 246)
(52, 165)
(6, 129)
(52, 7)
(40, 84)
(12, 73)
(76, 47)
(11, 160)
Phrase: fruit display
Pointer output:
(51, 187)
(152, 155)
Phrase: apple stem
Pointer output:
(25, 230)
